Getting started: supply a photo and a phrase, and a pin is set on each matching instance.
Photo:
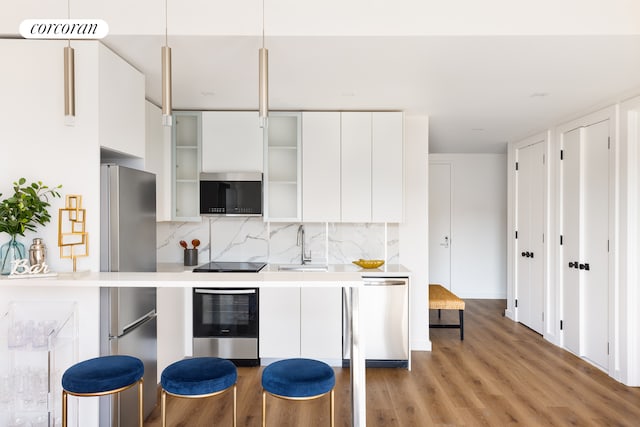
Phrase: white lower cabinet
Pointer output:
(279, 323)
(301, 322)
(321, 323)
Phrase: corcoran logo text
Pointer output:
(63, 29)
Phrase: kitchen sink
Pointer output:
(303, 267)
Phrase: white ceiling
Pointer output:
(486, 72)
(479, 91)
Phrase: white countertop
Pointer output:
(177, 275)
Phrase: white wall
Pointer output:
(37, 145)
(414, 231)
(478, 224)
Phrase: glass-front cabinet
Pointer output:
(186, 143)
(38, 342)
(282, 176)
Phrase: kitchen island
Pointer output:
(83, 288)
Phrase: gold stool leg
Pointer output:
(332, 409)
(64, 408)
(163, 407)
(264, 408)
(141, 402)
(235, 405)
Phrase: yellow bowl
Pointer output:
(369, 263)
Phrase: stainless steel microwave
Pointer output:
(238, 194)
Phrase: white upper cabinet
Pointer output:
(387, 181)
(321, 166)
(356, 167)
(282, 170)
(121, 105)
(232, 141)
(187, 136)
(158, 159)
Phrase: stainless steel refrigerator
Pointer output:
(128, 315)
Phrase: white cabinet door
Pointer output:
(231, 142)
(386, 167)
(158, 159)
(356, 167)
(279, 322)
(321, 323)
(320, 166)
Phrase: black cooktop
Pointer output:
(229, 267)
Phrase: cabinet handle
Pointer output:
(586, 266)
(531, 254)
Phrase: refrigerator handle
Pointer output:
(136, 324)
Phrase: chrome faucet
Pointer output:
(303, 256)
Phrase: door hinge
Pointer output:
(561, 154)
(561, 325)
(607, 348)
(542, 237)
(561, 239)
(516, 165)
(609, 143)
(516, 301)
(543, 159)
(516, 234)
(543, 316)
(607, 245)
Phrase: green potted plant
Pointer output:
(24, 210)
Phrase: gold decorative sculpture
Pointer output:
(73, 240)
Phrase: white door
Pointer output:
(440, 224)
(585, 231)
(595, 233)
(571, 239)
(529, 244)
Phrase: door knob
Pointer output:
(586, 266)
(531, 254)
(581, 266)
(524, 254)
(573, 264)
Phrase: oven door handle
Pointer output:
(225, 291)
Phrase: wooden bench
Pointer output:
(441, 298)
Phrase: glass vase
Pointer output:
(11, 251)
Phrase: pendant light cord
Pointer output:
(263, 24)
(68, 19)
(166, 23)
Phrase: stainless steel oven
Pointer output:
(225, 324)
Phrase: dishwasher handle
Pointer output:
(376, 281)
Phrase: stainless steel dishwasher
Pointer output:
(384, 302)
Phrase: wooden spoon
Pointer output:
(195, 243)
(183, 244)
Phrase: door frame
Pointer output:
(548, 256)
(613, 285)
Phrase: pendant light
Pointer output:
(166, 75)
(69, 79)
(263, 80)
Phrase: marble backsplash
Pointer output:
(252, 239)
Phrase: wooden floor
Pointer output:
(501, 374)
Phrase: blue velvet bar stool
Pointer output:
(298, 379)
(102, 376)
(198, 377)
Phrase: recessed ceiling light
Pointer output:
(538, 95)
(348, 93)
(207, 93)
(477, 129)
